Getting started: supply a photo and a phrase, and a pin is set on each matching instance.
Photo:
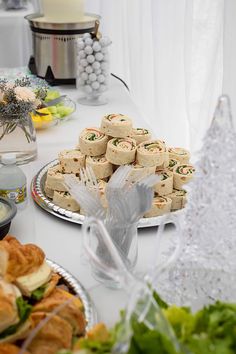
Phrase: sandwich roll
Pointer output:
(178, 199)
(138, 172)
(64, 200)
(116, 125)
(55, 179)
(100, 166)
(73, 313)
(165, 185)
(140, 135)
(48, 191)
(180, 154)
(55, 334)
(17, 260)
(151, 153)
(121, 151)
(8, 348)
(93, 142)
(32, 281)
(172, 164)
(14, 314)
(71, 161)
(182, 175)
(160, 206)
(165, 162)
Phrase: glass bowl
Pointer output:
(65, 109)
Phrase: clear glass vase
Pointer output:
(17, 135)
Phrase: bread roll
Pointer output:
(140, 135)
(100, 166)
(165, 186)
(182, 175)
(151, 153)
(121, 151)
(93, 142)
(71, 161)
(116, 125)
(160, 206)
(180, 154)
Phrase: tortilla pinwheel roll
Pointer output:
(151, 153)
(138, 172)
(140, 135)
(121, 151)
(92, 142)
(165, 186)
(172, 164)
(48, 191)
(55, 179)
(182, 175)
(160, 206)
(116, 125)
(100, 166)
(180, 154)
(71, 160)
(178, 199)
(64, 200)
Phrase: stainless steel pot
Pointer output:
(54, 56)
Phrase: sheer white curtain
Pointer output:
(170, 53)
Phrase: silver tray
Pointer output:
(76, 288)
(38, 195)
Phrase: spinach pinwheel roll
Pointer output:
(180, 154)
(151, 153)
(116, 125)
(178, 199)
(55, 179)
(92, 142)
(165, 186)
(71, 160)
(160, 206)
(182, 175)
(140, 135)
(100, 166)
(138, 172)
(121, 151)
(64, 200)
(172, 164)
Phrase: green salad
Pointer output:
(212, 330)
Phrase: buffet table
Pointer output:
(61, 240)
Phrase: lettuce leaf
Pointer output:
(24, 310)
(38, 294)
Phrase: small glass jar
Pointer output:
(17, 135)
(93, 69)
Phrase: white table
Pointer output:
(15, 37)
(60, 239)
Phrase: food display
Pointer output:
(102, 151)
(30, 290)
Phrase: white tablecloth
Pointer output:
(60, 239)
(15, 37)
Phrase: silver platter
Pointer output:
(77, 289)
(37, 192)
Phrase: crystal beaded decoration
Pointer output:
(206, 268)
